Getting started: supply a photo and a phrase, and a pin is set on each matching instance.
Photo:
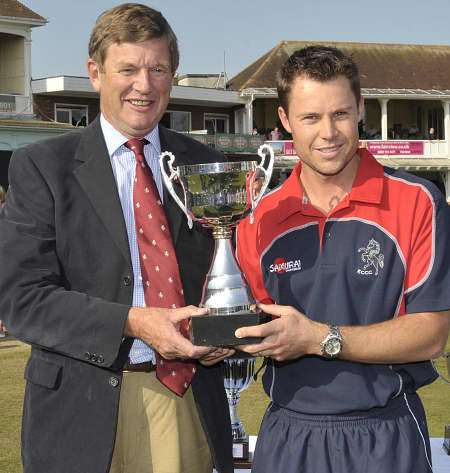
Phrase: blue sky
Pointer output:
(244, 29)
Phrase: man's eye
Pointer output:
(127, 71)
(159, 71)
(341, 114)
(310, 118)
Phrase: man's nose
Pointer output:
(328, 130)
(142, 83)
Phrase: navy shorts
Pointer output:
(392, 439)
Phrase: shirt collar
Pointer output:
(114, 139)
(367, 186)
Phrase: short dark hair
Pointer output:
(320, 63)
(131, 23)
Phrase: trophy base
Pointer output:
(242, 465)
(240, 451)
(218, 330)
(446, 444)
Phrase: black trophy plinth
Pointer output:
(218, 330)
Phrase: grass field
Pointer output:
(13, 356)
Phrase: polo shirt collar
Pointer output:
(367, 187)
(290, 195)
(368, 184)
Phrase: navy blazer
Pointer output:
(67, 285)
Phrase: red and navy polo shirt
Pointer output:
(382, 252)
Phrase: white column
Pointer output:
(239, 121)
(249, 115)
(384, 130)
(446, 105)
(27, 76)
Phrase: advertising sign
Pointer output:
(380, 148)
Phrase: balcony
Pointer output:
(411, 155)
(417, 155)
(14, 105)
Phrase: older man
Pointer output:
(99, 267)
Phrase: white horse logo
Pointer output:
(371, 256)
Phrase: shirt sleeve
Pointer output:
(250, 261)
(427, 282)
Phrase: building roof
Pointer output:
(81, 87)
(416, 164)
(411, 94)
(15, 9)
(381, 66)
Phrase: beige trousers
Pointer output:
(157, 431)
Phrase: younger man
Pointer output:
(355, 256)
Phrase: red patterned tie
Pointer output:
(159, 266)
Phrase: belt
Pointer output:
(145, 367)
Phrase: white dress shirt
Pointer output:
(123, 163)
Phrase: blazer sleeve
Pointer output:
(36, 301)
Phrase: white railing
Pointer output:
(7, 103)
(11, 104)
(438, 149)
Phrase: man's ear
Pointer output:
(94, 74)
(284, 119)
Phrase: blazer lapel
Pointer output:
(96, 177)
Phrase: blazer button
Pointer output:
(87, 355)
(113, 381)
(100, 359)
(94, 358)
(127, 280)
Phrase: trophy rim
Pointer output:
(216, 168)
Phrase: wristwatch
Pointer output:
(332, 344)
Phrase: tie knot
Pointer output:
(137, 146)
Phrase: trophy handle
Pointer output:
(166, 157)
(265, 165)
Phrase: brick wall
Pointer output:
(44, 108)
(44, 105)
(197, 114)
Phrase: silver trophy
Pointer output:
(238, 374)
(218, 196)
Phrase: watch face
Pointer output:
(333, 346)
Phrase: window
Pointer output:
(76, 115)
(177, 120)
(216, 123)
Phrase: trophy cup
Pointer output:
(218, 196)
(237, 375)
